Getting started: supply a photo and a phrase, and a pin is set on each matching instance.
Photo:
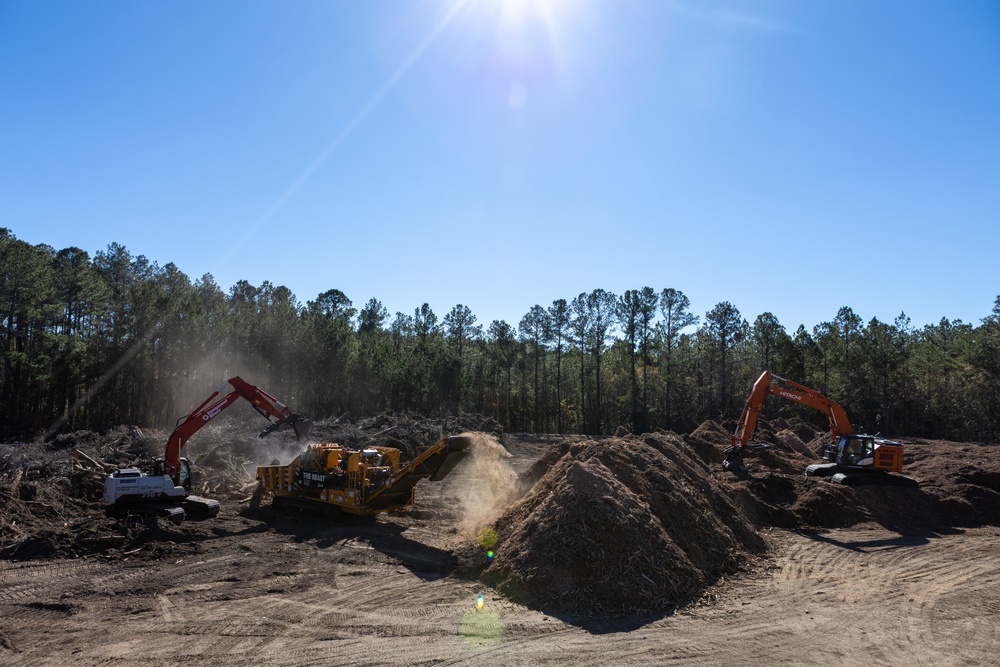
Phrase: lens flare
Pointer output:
(487, 537)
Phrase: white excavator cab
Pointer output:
(158, 469)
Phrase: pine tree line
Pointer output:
(92, 342)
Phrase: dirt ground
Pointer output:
(257, 586)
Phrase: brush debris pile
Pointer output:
(406, 433)
(51, 492)
(620, 526)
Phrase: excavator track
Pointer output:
(173, 513)
(850, 477)
(822, 470)
(861, 478)
(197, 507)
(191, 508)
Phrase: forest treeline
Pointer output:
(93, 342)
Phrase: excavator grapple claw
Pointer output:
(301, 425)
(735, 465)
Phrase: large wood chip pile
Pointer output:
(620, 526)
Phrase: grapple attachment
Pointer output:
(301, 425)
(734, 458)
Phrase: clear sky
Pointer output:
(790, 156)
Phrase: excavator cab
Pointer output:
(866, 451)
(158, 469)
(855, 451)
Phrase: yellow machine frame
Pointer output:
(361, 482)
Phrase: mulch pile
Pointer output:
(619, 526)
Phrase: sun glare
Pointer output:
(523, 45)
(520, 14)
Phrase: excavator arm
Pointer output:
(261, 401)
(764, 387)
(792, 391)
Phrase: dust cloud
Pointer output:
(274, 451)
(229, 451)
(488, 483)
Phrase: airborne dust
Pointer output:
(487, 486)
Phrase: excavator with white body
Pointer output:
(852, 459)
(166, 490)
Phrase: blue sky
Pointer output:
(785, 156)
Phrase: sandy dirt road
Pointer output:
(259, 587)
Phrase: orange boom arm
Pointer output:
(839, 423)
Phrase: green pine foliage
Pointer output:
(93, 342)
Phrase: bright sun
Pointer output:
(523, 45)
(516, 12)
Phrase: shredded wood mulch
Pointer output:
(620, 526)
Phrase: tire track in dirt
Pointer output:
(897, 593)
(879, 593)
(278, 627)
(21, 581)
(516, 647)
(954, 602)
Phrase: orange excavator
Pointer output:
(166, 491)
(853, 458)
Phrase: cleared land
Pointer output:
(852, 576)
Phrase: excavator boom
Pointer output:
(262, 401)
(764, 387)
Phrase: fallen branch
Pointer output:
(77, 454)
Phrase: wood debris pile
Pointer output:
(406, 433)
(50, 493)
